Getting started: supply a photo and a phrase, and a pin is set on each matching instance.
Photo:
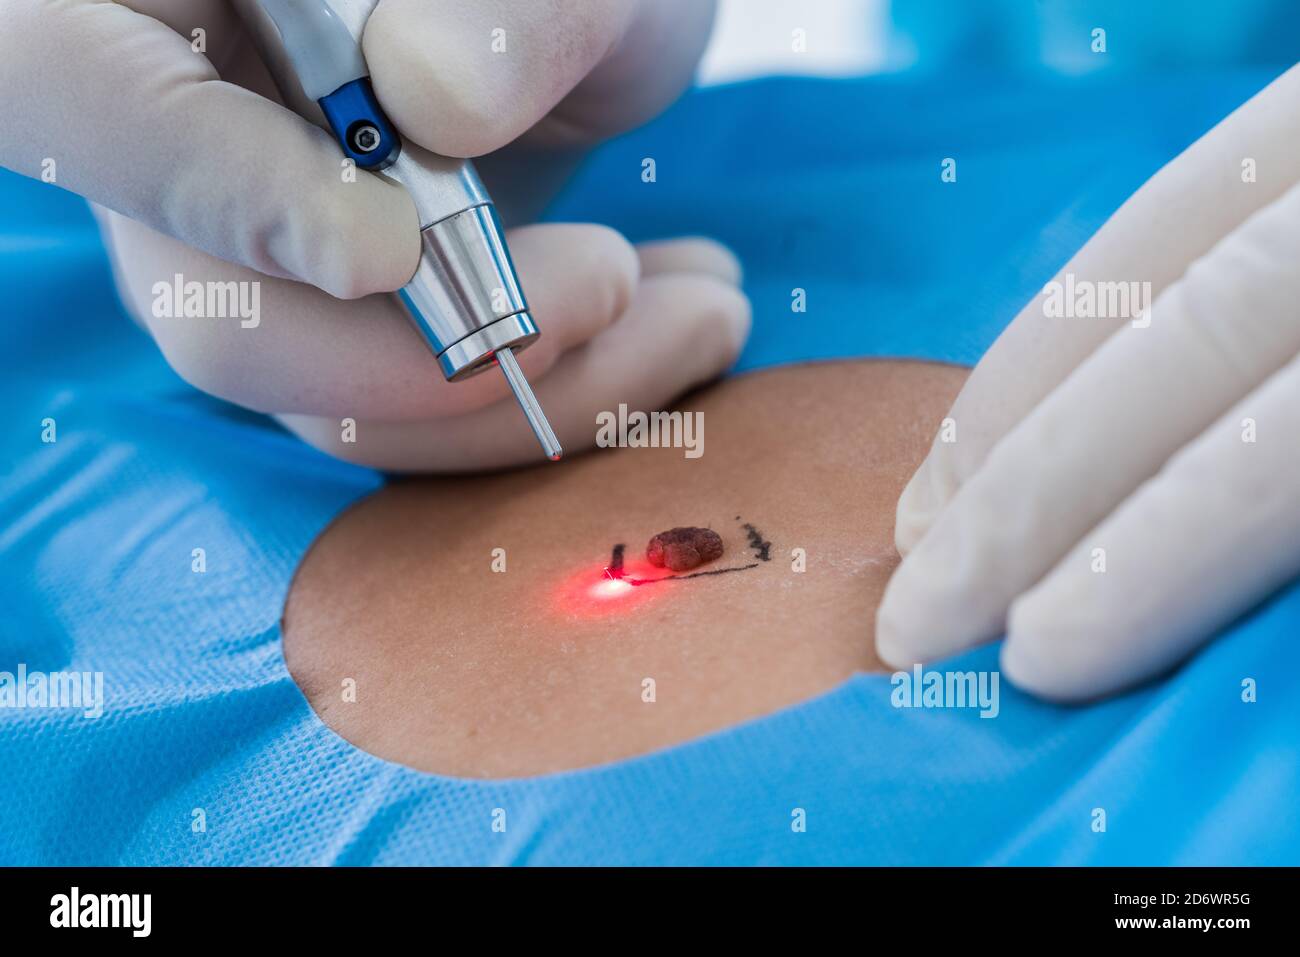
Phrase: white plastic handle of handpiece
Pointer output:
(324, 52)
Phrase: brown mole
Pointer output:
(684, 548)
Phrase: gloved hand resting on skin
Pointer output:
(203, 173)
(1166, 453)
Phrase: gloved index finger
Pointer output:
(121, 109)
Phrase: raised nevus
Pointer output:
(684, 548)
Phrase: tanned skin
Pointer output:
(552, 663)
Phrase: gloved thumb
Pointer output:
(119, 108)
(466, 78)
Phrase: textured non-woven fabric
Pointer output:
(206, 751)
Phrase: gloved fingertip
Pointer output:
(724, 264)
(726, 313)
(446, 94)
(934, 607)
(1044, 656)
(737, 313)
(363, 243)
(918, 507)
(611, 258)
(691, 254)
(891, 649)
(896, 643)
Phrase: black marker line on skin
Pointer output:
(762, 548)
(615, 569)
(677, 578)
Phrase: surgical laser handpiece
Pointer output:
(464, 298)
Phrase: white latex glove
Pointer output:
(204, 174)
(1079, 434)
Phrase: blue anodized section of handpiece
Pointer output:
(360, 126)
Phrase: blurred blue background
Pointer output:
(848, 37)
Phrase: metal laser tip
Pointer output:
(528, 402)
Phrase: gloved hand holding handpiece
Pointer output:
(162, 112)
